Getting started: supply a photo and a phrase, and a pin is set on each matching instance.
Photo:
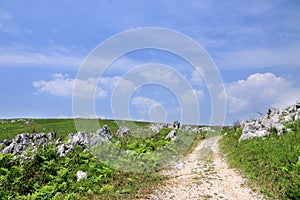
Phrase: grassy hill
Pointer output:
(271, 162)
(47, 176)
(62, 127)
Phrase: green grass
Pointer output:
(269, 162)
(62, 127)
(49, 177)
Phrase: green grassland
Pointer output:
(49, 177)
(271, 162)
(62, 127)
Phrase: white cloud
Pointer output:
(123, 64)
(86, 88)
(196, 78)
(260, 91)
(198, 93)
(123, 87)
(190, 98)
(27, 56)
(110, 82)
(61, 85)
(143, 102)
(59, 76)
(160, 75)
(58, 86)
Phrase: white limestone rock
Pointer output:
(81, 175)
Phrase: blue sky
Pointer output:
(254, 44)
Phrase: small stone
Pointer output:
(171, 135)
(154, 128)
(174, 139)
(81, 175)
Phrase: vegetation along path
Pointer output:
(203, 174)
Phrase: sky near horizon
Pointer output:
(255, 46)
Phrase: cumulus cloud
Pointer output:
(259, 92)
(191, 97)
(198, 93)
(143, 102)
(161, 75)
(62, 85)
(196, 78)
(150, 108)
(110, 82)
(123, 87)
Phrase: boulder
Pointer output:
(51, 136)
(176, 124)
(9, 148)
(154, 128)
(63, 149)
(99, 138)
(171, 135)
(106, 130)
(261, 133)
(58, 141)
(205, 129)
(248, 128)
(266, 123)
(257, 126)
(174, 139)
(41, 142)
(6, 142)
(247, 136)
(80, 138)
(195, 130)
(121, 132)
(279, 127)
(287, 118)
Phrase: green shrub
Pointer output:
(47, 176)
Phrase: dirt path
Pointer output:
(203, 174)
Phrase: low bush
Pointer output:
(47, 176)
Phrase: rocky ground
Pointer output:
(275, 120)
(203, 174)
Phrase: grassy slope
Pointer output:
(47, 176)
(62, 127)
(269, 162)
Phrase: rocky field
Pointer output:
(49, 159)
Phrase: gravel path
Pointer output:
(203, 174)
